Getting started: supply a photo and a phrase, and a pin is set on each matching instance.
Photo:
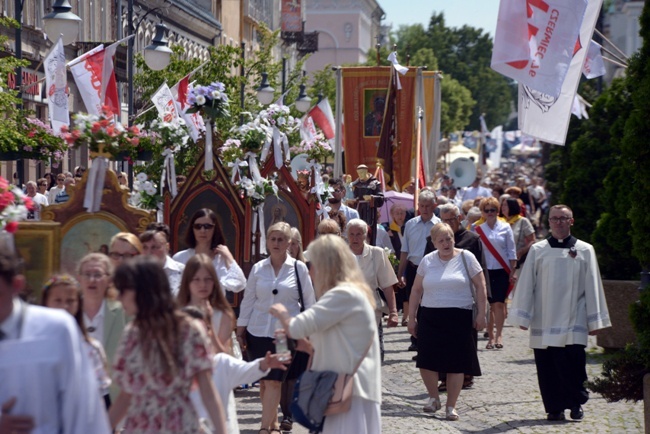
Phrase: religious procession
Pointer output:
(291, 216)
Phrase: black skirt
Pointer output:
(499, 283)
(256, 348)
(446, 341)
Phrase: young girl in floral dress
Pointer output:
(200, 287)
(162, 352)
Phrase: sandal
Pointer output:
(498, 346)
(489, 346)
(405, 322)
(286, 424)
(263, 431)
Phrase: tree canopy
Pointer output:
(464, 55)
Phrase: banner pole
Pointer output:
(417, 160)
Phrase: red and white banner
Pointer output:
(87, 73)
(544, 116)
(594, 66)
(193, 121)
(56, 84)
(109, 84)
(323, 117)
(307, 129)
(535, 41)
(165, 103)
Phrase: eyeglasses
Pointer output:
(338, 190)
(42, 184)
(559, 219)
(489, 210)
(93, 276)
(120, 256)
(206, 226)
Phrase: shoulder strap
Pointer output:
(300, 299)
(492, 250)
(471, 284)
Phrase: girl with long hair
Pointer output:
(200, 287)
(162, 352)
(62, 291)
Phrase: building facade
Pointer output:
(348, 29)
(621, 26)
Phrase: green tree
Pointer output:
(636, 152)
(456, 106)
(464, 54)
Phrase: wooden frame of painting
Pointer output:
(83, 232)
(38, 243)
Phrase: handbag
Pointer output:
(322, 393)
(471, 287)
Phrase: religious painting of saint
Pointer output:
(279, 209)
(374, 101)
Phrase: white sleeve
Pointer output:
(230, 372)
(82, 409)
(231, 279)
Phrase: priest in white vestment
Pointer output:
(47, 383)
(560, 298)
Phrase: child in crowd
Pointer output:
(62, 291)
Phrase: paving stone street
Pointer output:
(505, 399)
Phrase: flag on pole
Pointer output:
(534, 41)
(307, 129)
(594, 66)
(388, 133)
(338, 136)
(87, 72)
(109, 94)
(544, 116)
(322, 115)
(194, 121)
(579, 107)
(56, 84)
(165, 104)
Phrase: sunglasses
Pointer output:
(489, 210)
(206, 226)
(60, 179)
(43, 184)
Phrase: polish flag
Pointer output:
(323, 117)
(109, 95)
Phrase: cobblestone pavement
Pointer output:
(505, 399)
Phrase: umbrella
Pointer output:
(391, 198)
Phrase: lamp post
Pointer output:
(61, 21)
(265, 94)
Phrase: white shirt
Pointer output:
(40, 201)
(97, 324)
(45, 366)
(350, 213)
(174, 271)
(231, 279)
(259, 296)
(474, 192)
(383, 239)
(51, 195)
(416, 232)
(503, 240)
(376, 268)
(228, 373)
(445, 283)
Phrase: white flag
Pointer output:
(87, 73)
(164, 102)
(194, 121)
(307, 129)
(544, 116)
(535, 40)
(594, 65)
(579, 107)
(56, 84)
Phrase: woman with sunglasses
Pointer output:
(204, 235)
(58, 188)
(501, 259)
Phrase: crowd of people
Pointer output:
(147, 342)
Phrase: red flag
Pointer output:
(182, 90)
(109, 94)
(323, 117)
(389, 128)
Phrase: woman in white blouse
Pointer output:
(342, 329)
(271, 281)
(444, 325)
(204, 235)
(496, 235)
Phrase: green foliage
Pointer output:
(324, 82)
(463, 54)
(11, 135)
(622, 377)
(636, 152)
(456, 106)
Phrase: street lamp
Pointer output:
(61, 21)
(158, 54)
(303, 103)
(265, 92)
